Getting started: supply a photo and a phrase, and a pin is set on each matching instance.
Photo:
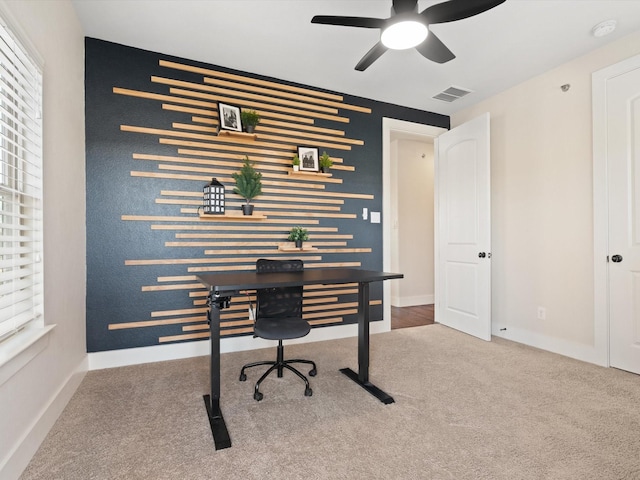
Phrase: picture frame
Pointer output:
(309, 159)
(229, 116)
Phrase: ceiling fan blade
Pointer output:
(433, 49)
(457, 10)
(401, 6)
(363, 22)
(371, 56)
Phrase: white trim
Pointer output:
(583, 352)
(175, 351)
(21, 36)
(393, 125)
(413, 301)
(600, 205)
(19, 349)
(16, 460)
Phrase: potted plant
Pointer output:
(298, 235)
(296, 162)
(248, 185)
(250, 118)
(325, 162)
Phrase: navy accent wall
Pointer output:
(152, 144)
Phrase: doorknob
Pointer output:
(482, 255)
(616, 258)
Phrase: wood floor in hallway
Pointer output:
(403, 317)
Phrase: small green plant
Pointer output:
(298, 234)
(325, 162)
(296, 160)
(250, 118)
(248, 181)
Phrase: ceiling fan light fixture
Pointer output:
(404, 34)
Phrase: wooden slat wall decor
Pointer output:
(152, 145)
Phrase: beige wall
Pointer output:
(412, 228)
(542, 212)
(32, 398)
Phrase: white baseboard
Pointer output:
(175, 351)
(413, 301)
(585, 353)
(25, 448)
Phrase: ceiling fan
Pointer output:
(407, 28)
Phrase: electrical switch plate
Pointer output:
(542, 313)
(365, 213)
(375, 217)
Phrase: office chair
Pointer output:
(279, 317)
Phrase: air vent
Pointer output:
(452, 94)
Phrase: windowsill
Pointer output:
(19, 350)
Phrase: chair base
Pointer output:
(279, 365)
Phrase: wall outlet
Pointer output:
(252, 313)
(542, 313)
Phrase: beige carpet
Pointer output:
(465, 409)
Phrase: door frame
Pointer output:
(600, 205)
(390, 125)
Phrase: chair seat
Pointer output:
(283, 328)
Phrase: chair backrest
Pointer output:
(282, 301)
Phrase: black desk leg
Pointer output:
(362, 377)
(212, 402)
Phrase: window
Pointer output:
(21, 280)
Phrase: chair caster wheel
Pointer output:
(313, 372)
(243, 377)
(257, 396)
(308, 392)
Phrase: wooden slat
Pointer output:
(307, 136)
(271, 102)
(265, 175)
(156, 323)
(184, 311)
(161, 218)
(285, 149)
(164, 98)
(191, 336)
(307, 139)
(250, 267)
(273, 92)
(266, 109)
(260, 235)
(248, 80)
(269, 121)
(334, 292)
(291, 206)
(322, 314)
(162, 288)
(238, 228)
(325, 321)
(197, 111)
(178, 278)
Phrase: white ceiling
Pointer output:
(495, 50)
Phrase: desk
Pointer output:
(222, 286)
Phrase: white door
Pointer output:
(463, 228)
(623, 156)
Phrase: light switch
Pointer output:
(365, 213)
(375, 217)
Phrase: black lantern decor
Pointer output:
(213, 198)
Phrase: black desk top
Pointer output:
(234, 281)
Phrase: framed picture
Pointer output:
(229, 117)
(308, 159)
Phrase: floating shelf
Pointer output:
(290, 247)
(231, 133)
(234, 217)
(306, 174)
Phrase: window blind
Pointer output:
(21, 279)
